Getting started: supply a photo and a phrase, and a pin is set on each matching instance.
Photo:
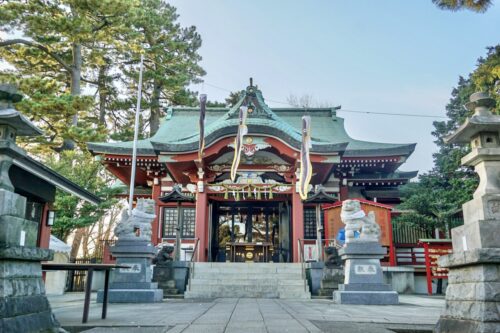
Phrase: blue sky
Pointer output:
(383, 56)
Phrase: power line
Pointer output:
(339, 110)
(394, 114)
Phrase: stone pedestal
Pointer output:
(23, 305)
(133, 285)
(364, 281)
(314, 273)
(332, 278)
(473, 293)
(172, 277)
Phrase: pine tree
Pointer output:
(441, 192)
(474, 5)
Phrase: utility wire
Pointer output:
(288, 104)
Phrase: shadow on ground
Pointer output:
(336, 327)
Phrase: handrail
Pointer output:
(303, 270)
(191, 262)
(331, 242)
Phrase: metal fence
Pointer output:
(76, 279)
(409, 234)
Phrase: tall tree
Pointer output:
(72, 212)
(171, 57)
(57, 35)
(441, 192)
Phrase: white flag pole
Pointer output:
(136, 135)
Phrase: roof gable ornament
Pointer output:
(320, 196)
(176, 195)
(252, 98)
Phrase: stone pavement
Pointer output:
(415, 313)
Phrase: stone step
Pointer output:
(250, 282)
(242, 264)
(256, 280)
(265, 270)
(235, 290)
(248, 293)
(246, 276)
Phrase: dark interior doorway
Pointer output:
(258, 222)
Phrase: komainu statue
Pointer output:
(164, 256)
(356, 220)
(138, 225)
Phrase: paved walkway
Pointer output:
(251, 315)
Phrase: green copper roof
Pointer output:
(179, 130)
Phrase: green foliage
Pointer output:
(50, 107)
(454, 5)
(440, 193)
(233, 98)
(77, 65)
(171, 57)
(83, 170)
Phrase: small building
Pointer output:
(262, 207)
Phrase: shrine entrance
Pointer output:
(250, 231)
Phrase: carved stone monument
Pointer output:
(333, 272)
(134, 249)
(23, 305)
(363, 282)
(163, 272)
(473, 292)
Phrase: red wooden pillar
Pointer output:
(155, 227)
(44, 229)
(344, 193)
(201, 230)
(392, 249)
(297, 224)
(428, 268)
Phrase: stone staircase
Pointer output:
(257, 280)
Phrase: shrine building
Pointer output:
(262, 209)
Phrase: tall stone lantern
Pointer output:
(473, 293)
(23, 304)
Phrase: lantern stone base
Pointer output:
(23, 304)
(473, 293)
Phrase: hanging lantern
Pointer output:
(237, 197)
(249, 191)
(258, 195)
(271, 193)
(226, 195)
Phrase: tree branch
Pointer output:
(88, 81)
(38, 46)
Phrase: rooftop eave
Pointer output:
(403, 150)
(187, 147)
(38, 169)
(107, 148)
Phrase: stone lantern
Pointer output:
(23, 304)
(473, 293)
